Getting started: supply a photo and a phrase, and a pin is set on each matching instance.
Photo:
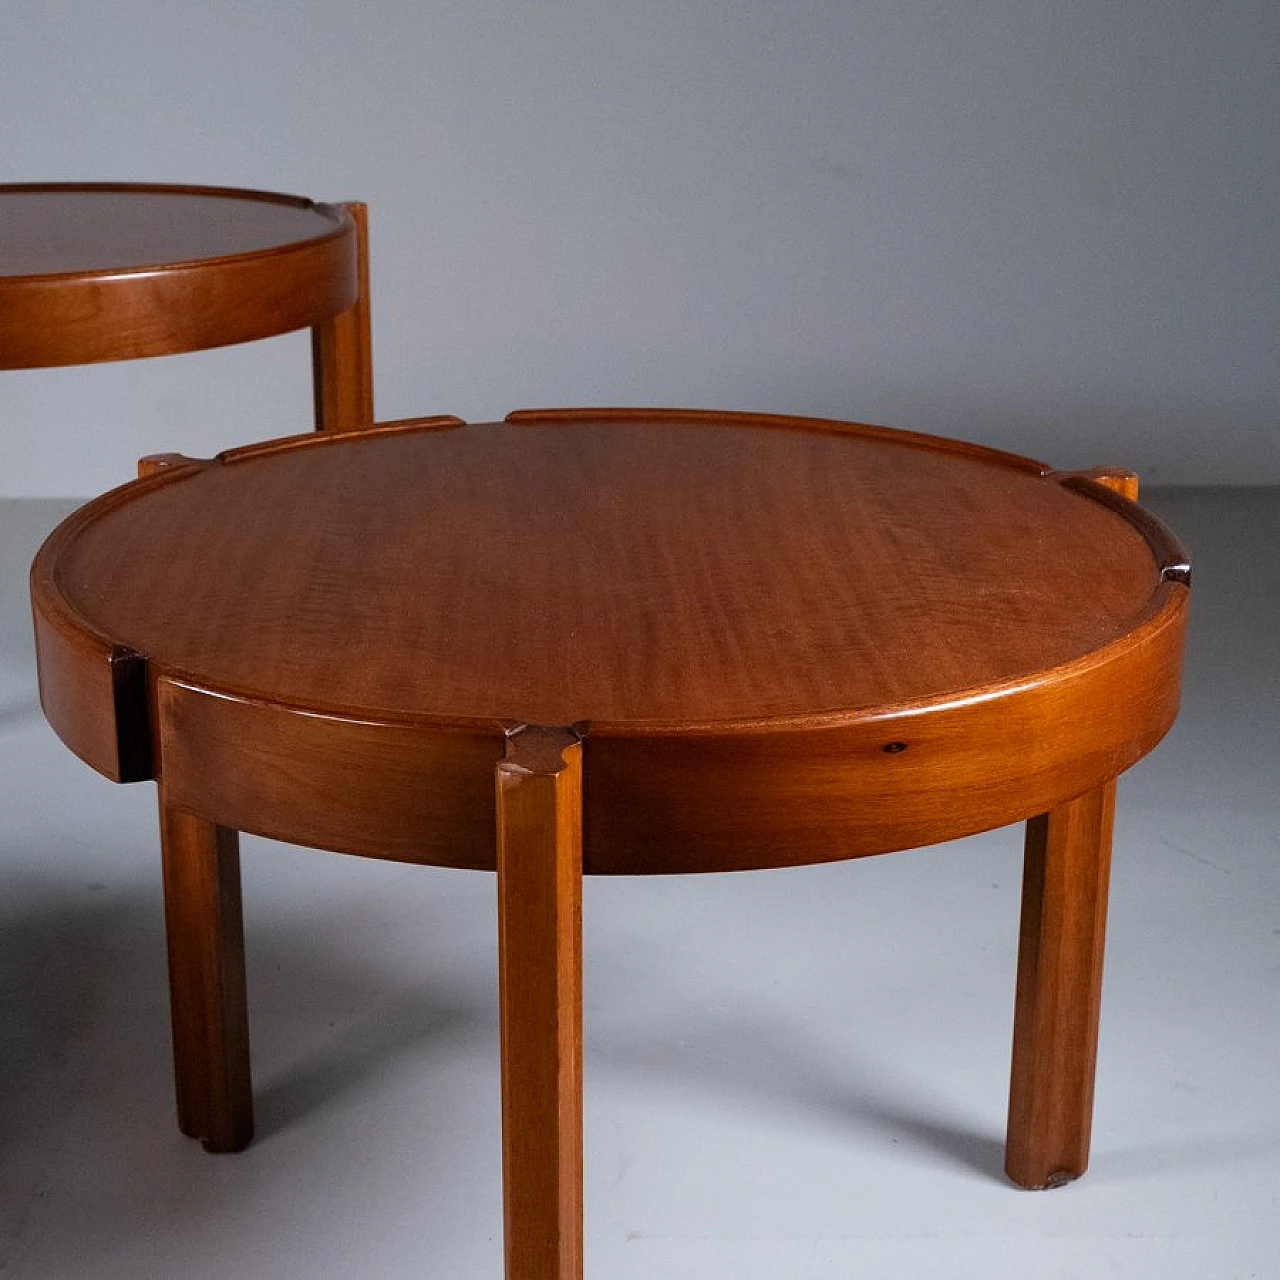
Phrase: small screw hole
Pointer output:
(893, 748)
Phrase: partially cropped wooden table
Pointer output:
(616, 642)
(115, 271)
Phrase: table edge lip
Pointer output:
(335, 213)
(1165, 608)
(1164, 605)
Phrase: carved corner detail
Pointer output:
(157, 462)
(538, 748)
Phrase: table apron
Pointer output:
(671, 803)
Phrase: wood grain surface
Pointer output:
(638, 577)
(342, 348)
(204, 932)
(103, 271)
(539, 830)
(1059, 993)
(780, 640)
(617, 641)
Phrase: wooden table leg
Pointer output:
(342, 351)
(1055, 1036)
(539, 811)
(205, 935)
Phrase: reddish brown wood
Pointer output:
(1055, 1043)
(892, 575)
(1066, 874)
(342, 349)
(888, 780)
(626, 416)
(539, 827)
(154, 463)
(778, 640)
(205, 934)
(106, 271)
(952, 602)
(334, 782)
(114, 271)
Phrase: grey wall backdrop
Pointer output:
(1046, 226)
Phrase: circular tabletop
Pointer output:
(110, 271)
(661, 582)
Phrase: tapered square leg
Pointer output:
(1055, 1037)
(539, 812)
(205, 934)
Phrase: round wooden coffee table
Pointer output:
(666, 642)
(112, 271)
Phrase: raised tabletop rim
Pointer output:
(659, 797)
(1163, 607)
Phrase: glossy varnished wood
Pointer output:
(1059, 992)
(709, 579)
(782, 642)
(342, 349)
(92, 272)
(96, 272)
(539, 845)
(673, 641)
(205, 937)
